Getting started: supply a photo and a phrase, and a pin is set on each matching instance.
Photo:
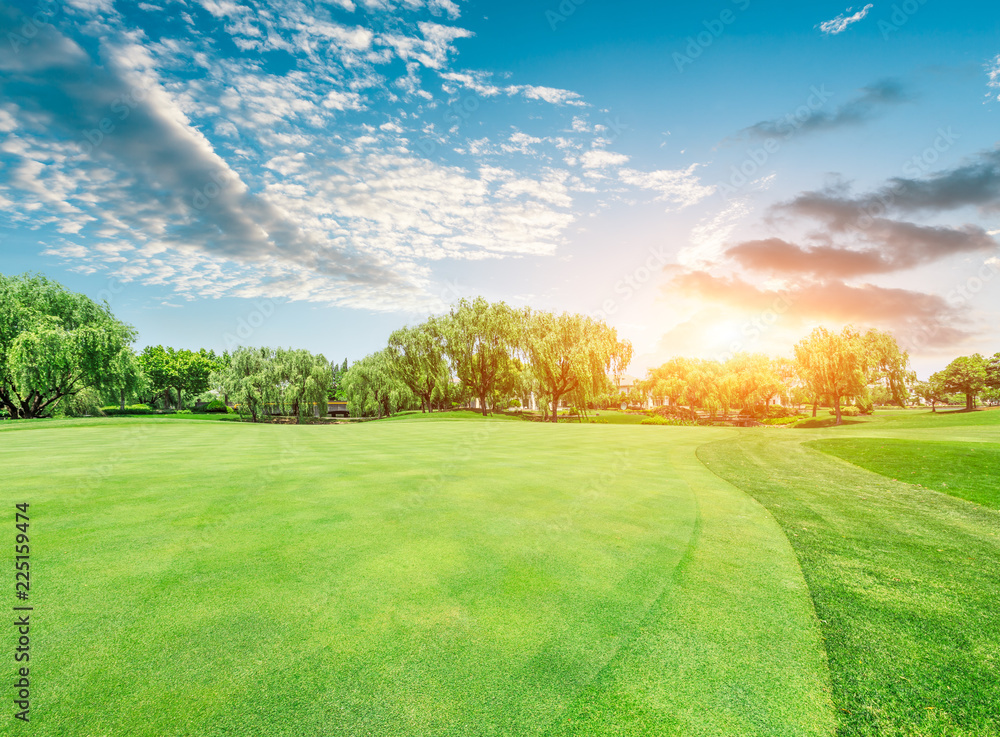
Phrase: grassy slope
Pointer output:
(903, 579)
(405, 578)
(965, 470)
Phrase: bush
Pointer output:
(217, 405)
(676, 413)
(658, 420)
(183, 412)
(782, 420)
(848, 411)
(132, 409)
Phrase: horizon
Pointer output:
(700, 178)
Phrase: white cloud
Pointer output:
(678, 186)
(709, 238)
(549, 94)
(842, 21)
(993, 72)
(343, 100)
(599, 159)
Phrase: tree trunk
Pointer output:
(482, 403)
(933, 406)
(179, 405)
(969, 404)
(555, 407)
(815, 405)
(836, 407)
(121, 396)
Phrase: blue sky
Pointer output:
(709, 178)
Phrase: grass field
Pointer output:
(453, 575)
(968, 470)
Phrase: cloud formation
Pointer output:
(868, 104)
(915, 317)
(342, 177)
(842, 21)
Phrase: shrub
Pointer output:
(675, 412)
(183, 412)
(658, 420)
(132, 409)
(85, 403)
(848, 411)
(217, 405)
(782, 420)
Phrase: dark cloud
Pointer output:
(168, 183)
(859, 109)
(914, 317)
(901, 246)
(975, 183)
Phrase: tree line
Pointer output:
(60, 350)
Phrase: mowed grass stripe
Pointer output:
(903, 580)
(968, 471)
(733, 647)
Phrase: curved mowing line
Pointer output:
(901, 578)
(731, 647)
(649, 616)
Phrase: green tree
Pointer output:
(931, 392)
(480, 340)
(571, 354)
(993, 371)
(125, 376)
(373, 389)
(889, 367)
(834, 365)
(249, 380)
(180, 370)
(965, 375)
(301, 380)
(337, 388)
(53, 344)
(418, 360)
(754, 380)
(670, 380)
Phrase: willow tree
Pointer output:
(835, 365)
(571, 354)
(889, 365)
(248, 379)
(670, 380)
(53, 344)
(372, 387)
(480, 340)
(301, 381)
(754, 380)
(418, 359)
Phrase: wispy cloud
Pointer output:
(842, 21)
(864, 106)
(993, 74)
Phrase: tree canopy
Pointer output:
(572, 354)
(55, 343)
(966, 375)
(480, 341)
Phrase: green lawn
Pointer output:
(452, 575)
(965, 470)
(412, 577)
